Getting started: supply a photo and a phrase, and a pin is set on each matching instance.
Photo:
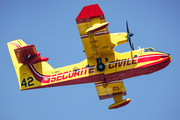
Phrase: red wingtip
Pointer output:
(90, 11)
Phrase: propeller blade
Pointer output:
(132, 46)
(129, 40)
(129, 36)
(127, 26)
(130, 43)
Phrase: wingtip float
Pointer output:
(103, 66)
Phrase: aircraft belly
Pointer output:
(120, 75)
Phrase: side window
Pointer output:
(135, 55)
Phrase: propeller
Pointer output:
(129, 36)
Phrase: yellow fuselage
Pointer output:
(118, 66)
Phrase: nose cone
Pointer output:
(167, 57)
(153, 62)
(164, 61)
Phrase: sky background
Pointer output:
(51, 26)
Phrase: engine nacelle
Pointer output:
(119, 38)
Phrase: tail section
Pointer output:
(27, 62)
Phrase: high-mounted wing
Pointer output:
(99, 46)
(114, 89)
(98, 43)
(94, 32)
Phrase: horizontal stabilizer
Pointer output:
(28, 55)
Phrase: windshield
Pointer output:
(149, 50)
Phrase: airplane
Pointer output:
(103, 66)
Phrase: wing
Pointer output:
(114, 89)
(94, 32)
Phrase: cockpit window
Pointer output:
(146, 50)
(151, 49)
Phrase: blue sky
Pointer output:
(51, 26)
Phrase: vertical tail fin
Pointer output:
(23, 56)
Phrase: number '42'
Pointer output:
(27, 82)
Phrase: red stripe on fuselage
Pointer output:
(166, 60)
(88, 79)
(150, 57)
(39, 77)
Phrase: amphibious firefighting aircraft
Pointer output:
(103, 66)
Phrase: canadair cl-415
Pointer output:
(103, 66)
